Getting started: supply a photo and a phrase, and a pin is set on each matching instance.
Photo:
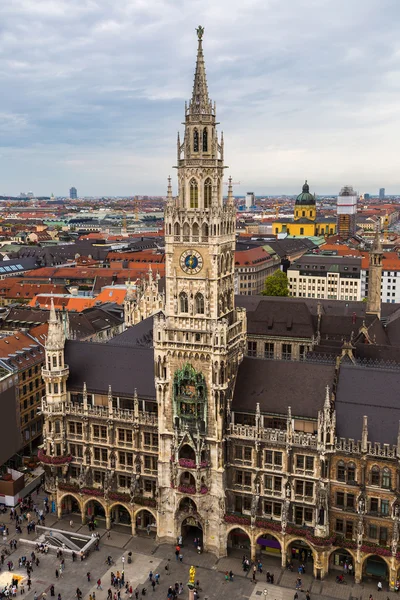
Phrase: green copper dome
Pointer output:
(305, 198)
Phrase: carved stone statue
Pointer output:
(322, 503)
(285, 514)
(395, 537)
(361, 504)
(288, 490)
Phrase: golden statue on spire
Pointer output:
(200, 32)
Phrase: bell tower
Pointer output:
(199, 340)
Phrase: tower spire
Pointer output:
(200, 102)
(52, 316)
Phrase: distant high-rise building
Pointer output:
(346, 212)
(381, 193)
(73, 194)
(250, 200)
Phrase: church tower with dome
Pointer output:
(306, 221)
(199, 339)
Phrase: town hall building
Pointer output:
(247, 422)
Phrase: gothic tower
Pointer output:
(199, 340)
(55, 374)
(375, 277)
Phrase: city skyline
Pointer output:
(304, 91)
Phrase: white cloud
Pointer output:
(93, 92)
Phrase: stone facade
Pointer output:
(187, 452)
(144, 300)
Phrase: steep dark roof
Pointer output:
(140, 335)
(270, 319)
(279, 384)
(371, 392)
(100, 365)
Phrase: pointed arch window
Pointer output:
(199, 303)
(205, 140)
(195, 141)
(207, 192)
(183, 302)
(194, 194)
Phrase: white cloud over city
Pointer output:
(93, 92)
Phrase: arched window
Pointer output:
(303, 213)
(195, 231)
(199, 303)
(341, 471)
(207, 192)
(205, 140)
(177, 229)
(195, 141)
(204, 231)
(57, 427)
(186, 232)
(351, 472)
(222, 265)
(375, 475)
(183, 302)
(194, 194)
(386, 478)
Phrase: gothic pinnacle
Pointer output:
(200, 102)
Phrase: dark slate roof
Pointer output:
(295, 320)
(279, 384)
(140, 335)
(371, 392)
(100, 365)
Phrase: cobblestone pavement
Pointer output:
(148, 555)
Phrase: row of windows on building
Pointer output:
(30, 372)
(26, 388)
(301, 514)
(269, 350)
(346, 527)
(125, 459)
(123, 435)
(345, 471)
(123, 481)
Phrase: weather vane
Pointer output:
(200, 32)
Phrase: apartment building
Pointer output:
(331, 277)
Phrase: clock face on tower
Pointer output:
(191, 262)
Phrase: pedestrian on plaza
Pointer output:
(379, 586)
(35, 597)
(157, 578)
(177, 551)
(148, 529)
(136, 594)
(308, 595)
(59, 597)
(99, 584)
(88, 575)
(254, 573)
(181, 557)
(29, 584)
(57, 574)
(272, 578)
(108, 534)
(153, 585)
(52, 590)
(350, 569)
(296, 596)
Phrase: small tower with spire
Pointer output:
(375, 277)
(55, 373)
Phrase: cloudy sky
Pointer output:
(93, 91)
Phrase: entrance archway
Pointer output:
(120, 515)
(94, 511)
(269, 544)
(299, 552)
(340, 559)
(375, 567)
(145, 523)
(192, 529)
(238, 542)
(70, 505)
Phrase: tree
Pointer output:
(276, 284)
